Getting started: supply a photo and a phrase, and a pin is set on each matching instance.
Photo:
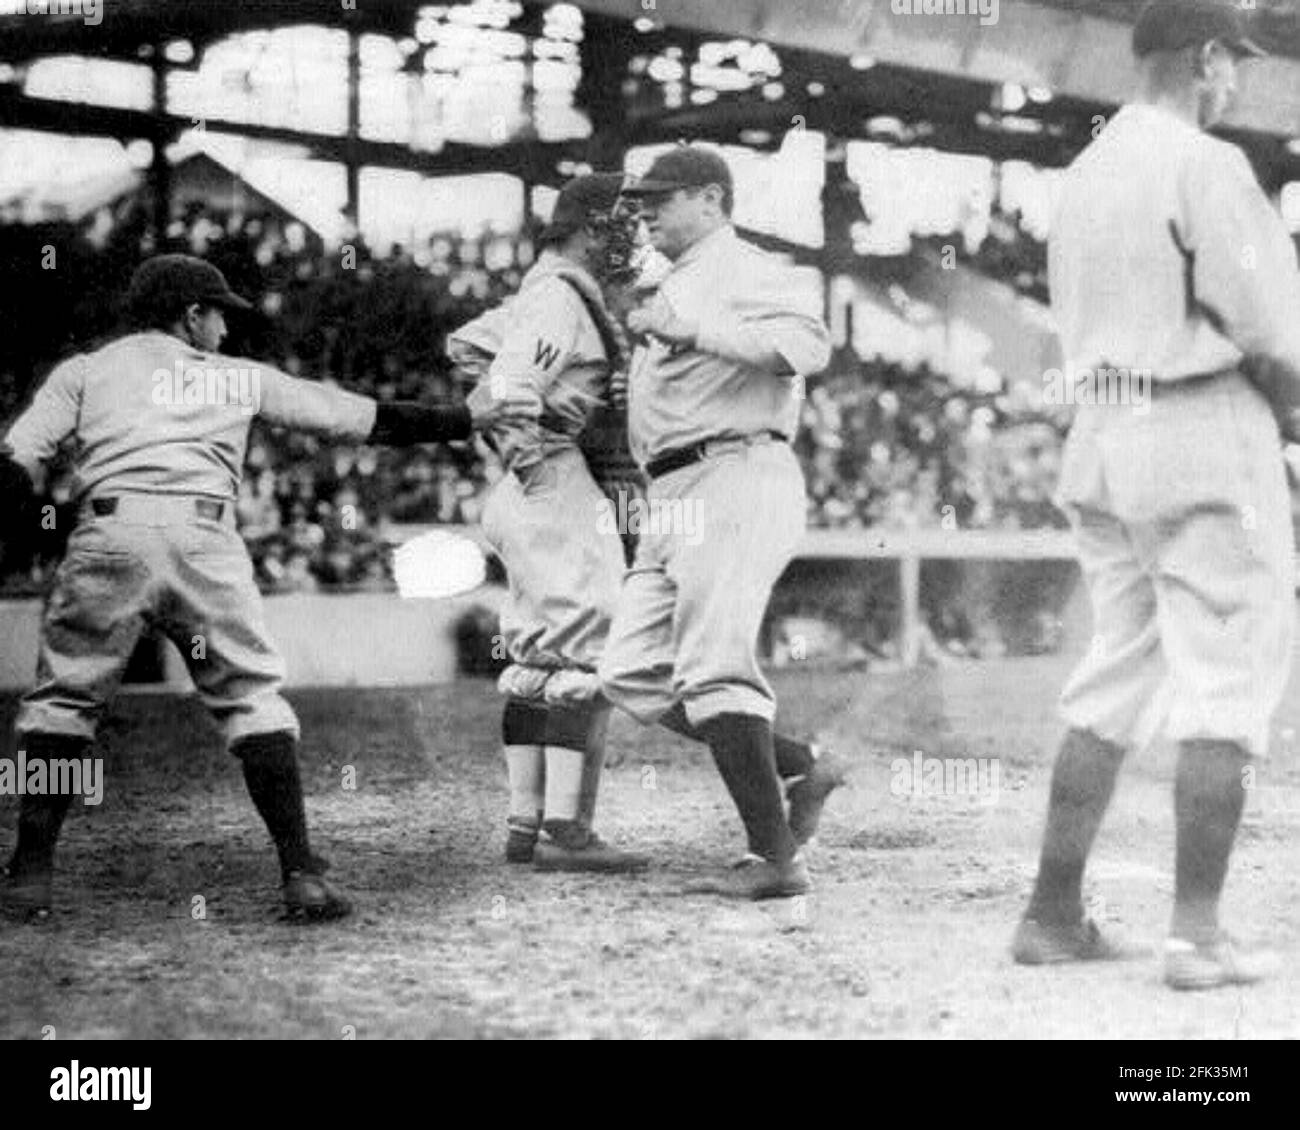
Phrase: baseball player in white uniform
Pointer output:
(557, 342)
(160, 420)
(1168, 263)
(713, 404)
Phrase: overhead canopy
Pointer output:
(1068, 46)
(868, 61)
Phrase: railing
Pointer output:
(908, 547)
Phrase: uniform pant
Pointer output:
(560, 544)
(156, 563)
(1185, 535)
(717, 536)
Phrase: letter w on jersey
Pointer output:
(546, 354)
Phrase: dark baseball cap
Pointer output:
(596, 193)
(1172, 25)
(686, 166)
(177, 281)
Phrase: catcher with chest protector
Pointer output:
(549, 520)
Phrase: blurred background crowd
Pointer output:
(372, 177)
(881, 444)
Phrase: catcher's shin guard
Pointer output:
(594, 762)
(523, 732)
(574, 757)
(568, 734)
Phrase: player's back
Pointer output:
(156, 415)
(1118, 268)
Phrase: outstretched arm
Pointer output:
(307, 406)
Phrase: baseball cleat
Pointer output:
(312, 898)
(521, 840)
(1038, 943)
(757, 878)
(808, 795)
(1212, 965)
(29, 895)
(575, 849)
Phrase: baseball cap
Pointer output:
(177, 281)
(686, 166)
(1171, 25)
(594, 192)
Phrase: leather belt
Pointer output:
(680, 457)
(1159, 385)
(206, 508)
(1195, 381)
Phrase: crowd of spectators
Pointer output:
(883, 445)
(880, 444)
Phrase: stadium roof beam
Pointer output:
(1073, 53)
(126, 25)
(533, 160)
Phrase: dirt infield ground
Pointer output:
(905, 936)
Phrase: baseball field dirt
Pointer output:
(166, 922)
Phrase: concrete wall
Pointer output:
(327, 641)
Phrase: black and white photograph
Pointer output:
(650, 520)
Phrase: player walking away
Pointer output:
(556, 341)
(1166, 257)
(160, 420)
(712, 407)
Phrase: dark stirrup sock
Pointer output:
(676, 721)
(40, 815)
(271, 772)
(742, 747)
(1209, 795)
(793, 757)
(1083, 780)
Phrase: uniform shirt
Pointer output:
(151, 414)
(1167, 256)
(543, 344)
(759, 331)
